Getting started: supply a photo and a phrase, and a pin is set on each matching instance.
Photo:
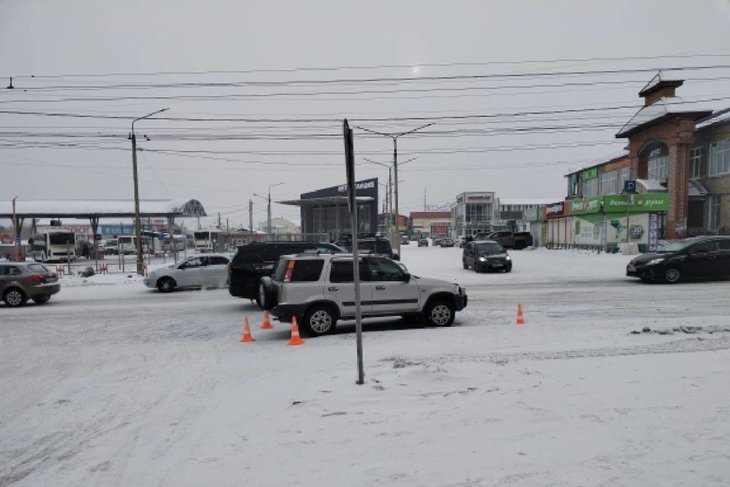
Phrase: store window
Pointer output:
(714, 214)
(720, 157)
(695, 162)
(590, 188)
(609, 182)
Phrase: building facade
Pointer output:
(426, 223)
(474, 212)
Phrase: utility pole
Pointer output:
(219, 220)
(250, 219)
(424, 199)
(17, 252)
(137, 222)
(395, 170)
(393, 217)
(268, 208)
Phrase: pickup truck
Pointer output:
(511, 240)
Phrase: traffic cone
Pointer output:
(295, 338)
(246, 332)
(266, 325)
(520, 316)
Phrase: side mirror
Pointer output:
(396, 257)
(406, 277)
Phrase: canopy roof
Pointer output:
(100, 208)
(326, 201)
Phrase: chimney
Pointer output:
(659, 88)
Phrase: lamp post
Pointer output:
(268, 207)
(390, 187)
(137, 223)
(395, 169)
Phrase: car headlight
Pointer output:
(508, 258)
(655, 261)
(482, 259)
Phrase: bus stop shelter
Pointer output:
(95, 210)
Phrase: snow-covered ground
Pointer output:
(111, 383)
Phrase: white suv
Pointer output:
(319, 290)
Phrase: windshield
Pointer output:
(490, 248)
(675, 246)
(61, 238)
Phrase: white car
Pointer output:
(200, 271)
(319, 290)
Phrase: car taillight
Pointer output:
(289, 269)
(36, 277)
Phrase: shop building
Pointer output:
(424, 223)
(474, 212)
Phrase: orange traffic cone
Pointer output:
(266, 325)
(520, 316)
(295, 338)
(246, 332)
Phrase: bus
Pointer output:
(206, 240)
(53, 245)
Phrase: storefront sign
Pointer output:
(555, 210)
(619, 203)
(482, 198)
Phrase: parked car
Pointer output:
(690, 258)
(423, 242)
(404, 240)
(318, 290)
(199, 271)
(486, 255)
(258, 259)
(369, 243)
(436, 241)
(512, 240)
(20, 281)
(447, 242)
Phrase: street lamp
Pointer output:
(268, 207)
(395, 168)
(390, 185)
(137, 223)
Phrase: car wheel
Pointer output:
(166, 284)
(672, 275)
(439, 313)
(508, 268)
(14, 297)
(266, 295)
(319, 320)
(42, 299)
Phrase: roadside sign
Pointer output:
(630, 186)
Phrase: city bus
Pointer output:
(206, 240)
(53, 245)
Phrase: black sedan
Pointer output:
(689, 258)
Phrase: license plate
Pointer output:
(497, 265)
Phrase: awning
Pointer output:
(697, 190)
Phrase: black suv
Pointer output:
(369, 243)
(258, 259)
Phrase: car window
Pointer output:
(40, 268)
(384, 270)
(194, 262)
(306, 270)
(12, 270)
(703, 247)
(217, 260)
(490, 248)
(724, 244)
(341, 271)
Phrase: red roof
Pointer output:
(430, 214)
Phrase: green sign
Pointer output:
(590, 174)
(620, 203)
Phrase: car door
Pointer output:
(393, 293)
(340, 287)
(191, 272)
(217, 271)
(723, 245)
(702, 260)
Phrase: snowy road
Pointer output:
(113, 384)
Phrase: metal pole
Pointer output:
(137, 222)
(395, 180)
(268, 215)
(250, 220)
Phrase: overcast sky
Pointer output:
(283, 74)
